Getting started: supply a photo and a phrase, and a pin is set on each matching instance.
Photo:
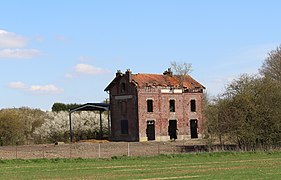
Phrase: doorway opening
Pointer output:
(193, 128)
(172, 129)
(150, 130)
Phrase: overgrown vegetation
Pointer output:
(248, 113)
(20, 126)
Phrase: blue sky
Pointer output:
(68, 51)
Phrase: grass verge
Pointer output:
(220, 165)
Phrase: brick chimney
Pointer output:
(119, 73)
(168, 72)
(129, 75)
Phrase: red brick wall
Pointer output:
(161, 113)
(137, 115)
(130, 113)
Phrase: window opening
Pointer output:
(149, 105)
(193, 105)
(172, 105)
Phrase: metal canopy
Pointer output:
(91, 107)
(101, 107)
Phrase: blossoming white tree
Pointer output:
(56, 126)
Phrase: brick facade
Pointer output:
(154, 107)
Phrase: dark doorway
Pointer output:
(172, 129)
(193, 128)
(150, 130)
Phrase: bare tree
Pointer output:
(272, 65)
(182, 69)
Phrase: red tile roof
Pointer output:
(163, 80)
(143, 80)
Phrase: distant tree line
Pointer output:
(57, 107)
(248, 113)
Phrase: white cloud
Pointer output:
(89, 69)
(11, 40)
(13, 46)
(50, 88)
(19, 53)
(17, 85)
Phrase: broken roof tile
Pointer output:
(143, 80)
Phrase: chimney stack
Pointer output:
(129, 75)
(119, 73)
(168, 72)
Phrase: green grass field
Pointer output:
(223, 165)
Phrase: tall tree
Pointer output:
(248, 113)
(272, 65)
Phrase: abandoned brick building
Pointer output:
(155, 107)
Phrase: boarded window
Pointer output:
(124, 127)
(193, 105)
(149, 105)
(172, 105)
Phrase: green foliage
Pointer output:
(28, 126)
(11, 131)
(17, 125)
(63, 107)
(249, 112)
(272, 65)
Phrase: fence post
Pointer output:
(128, 149)
(99, 150)
(16, 152)
(70, 153)
(158, 149)
(43, 152)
